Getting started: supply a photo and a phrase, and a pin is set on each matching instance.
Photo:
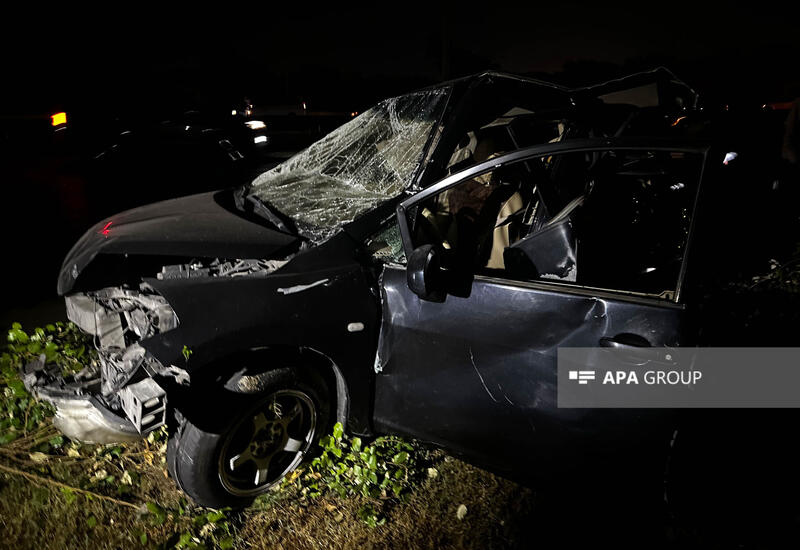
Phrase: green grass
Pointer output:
(59, 494)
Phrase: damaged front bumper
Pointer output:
(115, 398)
(86, 419)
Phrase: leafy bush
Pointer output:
(60, 343)
(128, 477)
(382, 472)
(197, 527)
(781, 276)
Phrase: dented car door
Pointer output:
(475, 371)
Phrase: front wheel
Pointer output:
(265, 438)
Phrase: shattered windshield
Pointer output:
(367, 161)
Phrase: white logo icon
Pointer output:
(582, 376)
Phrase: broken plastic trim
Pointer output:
(80, 414)
(87, 402)
(115, 398)
(118, 317)
(369, 160)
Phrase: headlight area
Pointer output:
(115, 398)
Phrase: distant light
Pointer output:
(729, 157)
(304, 106)
(353, 113)
(677, 120)
(248, 112)
(233, 113)
(58, 119)
(187, 128)
(649, 269)
(255, 124)
(260, 139)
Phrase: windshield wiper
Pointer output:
(265, 210)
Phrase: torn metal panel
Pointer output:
(121, 319)
(118, 318)
(369, 160)
(121, 316)
(452, 372)
(118, 366)
(655, 87)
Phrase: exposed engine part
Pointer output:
(119, 317)
(218, 268)
(92, 405)
(47, 380)
(119, 366)
(145, 405)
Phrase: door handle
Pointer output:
(624, 341)
(632, 348)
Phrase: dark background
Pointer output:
(347, 57)
(149, 63)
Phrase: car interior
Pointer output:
(584, 218)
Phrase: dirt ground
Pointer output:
(37, 514)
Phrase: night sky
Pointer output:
(347, 57)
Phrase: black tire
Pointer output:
(201, 455)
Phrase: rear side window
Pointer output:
(634, 225)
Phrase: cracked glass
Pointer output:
(365, 162)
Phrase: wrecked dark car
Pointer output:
(412, 273)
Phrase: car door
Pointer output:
(474, 369)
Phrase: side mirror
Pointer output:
(549, 251)
(425, 275)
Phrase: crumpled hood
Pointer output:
(197, 226)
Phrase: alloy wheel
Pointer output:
(268, 443)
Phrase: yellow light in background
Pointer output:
(58, 119)
(678, 120)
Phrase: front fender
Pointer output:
(333, 311)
